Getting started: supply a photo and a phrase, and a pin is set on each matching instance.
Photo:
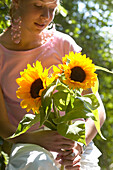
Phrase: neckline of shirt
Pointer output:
(29, 50)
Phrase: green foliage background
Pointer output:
(84, 20)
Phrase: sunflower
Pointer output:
(79, 71)
(57, 70)
(32, 83)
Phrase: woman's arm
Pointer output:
(6, 128)
(90, 126)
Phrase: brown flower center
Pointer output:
(36, 86)
(78, 74)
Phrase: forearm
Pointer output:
(6, 128)
(91, 131)
(90, 126)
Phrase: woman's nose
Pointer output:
(46, 13)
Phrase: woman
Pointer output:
(26, 41)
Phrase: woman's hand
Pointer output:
(71, 159)
(52, 141)
(68, 150)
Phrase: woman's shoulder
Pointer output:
(1, 35)
(3, 40)
(67, 41)
(4, 43)
(63, 36)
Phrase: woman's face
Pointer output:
(37, 14)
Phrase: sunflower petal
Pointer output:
(79, 60)
(28, 80)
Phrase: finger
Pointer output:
(63, 153)
(79, 148)
(75, 167)
(66, 147)
(71, 156)
(70, 162)
(67, 154)
(75, 152)
(66, 141)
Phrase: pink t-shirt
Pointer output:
(12, 62)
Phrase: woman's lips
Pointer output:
(39, 26)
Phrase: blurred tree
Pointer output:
(84, 20)
(4, 14)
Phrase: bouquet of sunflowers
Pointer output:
(56, 99)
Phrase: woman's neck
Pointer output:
(28, 41)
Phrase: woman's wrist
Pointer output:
(23, 138)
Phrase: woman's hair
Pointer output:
(13, 8)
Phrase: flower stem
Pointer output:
(56, 112)
(62, 167)
(70, 122)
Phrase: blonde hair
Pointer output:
(13, 8)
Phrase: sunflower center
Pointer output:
(36, 86)
(78, 74)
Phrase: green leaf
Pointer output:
(91, 101)
(27, 121)
(49, 122)
(73, 114)
(50, 125)
(49, 90)
(76, 103)
(96, 87)
(5, 157)
(62, 11)
(47, 104)
(45, 110)
(61, 87)
(103, 69)
(76, 131)
(97, 122)
(43, 116)
(46, 101)
(61, 100)
(76, 109)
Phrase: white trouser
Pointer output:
(89, 159)
(34, 157)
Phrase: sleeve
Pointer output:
(63, 44)
(70, 45)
